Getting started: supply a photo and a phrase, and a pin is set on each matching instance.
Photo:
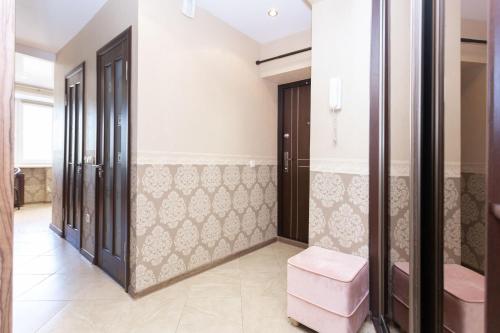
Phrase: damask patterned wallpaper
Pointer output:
(187, 216)
(339, 215)
(473, 220)
(338, 212)
(399, 212)
(38, 185)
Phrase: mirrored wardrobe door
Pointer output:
(399, 148)
(464, 188)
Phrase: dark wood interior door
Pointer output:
(73, 161)
(294, 137)
(112, 155)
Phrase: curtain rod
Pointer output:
(474, 41)
(258, 62)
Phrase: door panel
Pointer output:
(73, 161)
(113, 145)
(294, 134)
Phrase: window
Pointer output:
(33, 133)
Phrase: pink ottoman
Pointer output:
(463, 300)
(327, 290)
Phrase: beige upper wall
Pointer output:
(452, 79)
(477, 53)
(400, 81)
(474, 29)
(474, 117)
(200, 91)
(293, 68)
(341, 48)
(113, 18)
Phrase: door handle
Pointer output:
(78, 167)
(285, 162)
(495, 210)
(99, 168)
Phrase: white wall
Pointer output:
(200, 91)
(341, 48)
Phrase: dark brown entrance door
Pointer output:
(294, 106)
(113, 68)
(73, 155)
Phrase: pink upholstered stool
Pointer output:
(463, 298)
(328, 290)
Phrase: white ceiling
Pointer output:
(250, 17)
(49, 24)
(475, 10)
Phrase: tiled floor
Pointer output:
(56, 290)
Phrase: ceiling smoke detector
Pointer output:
(272, 12)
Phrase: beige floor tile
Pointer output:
(33, 249)
(274, 325)
(259, 263)
(66, 250)
(88, 316)
(40, 265)
(219, 282)
(219, 315)
(67, 287)
(57, 290)
(31, 315)
(144, 315)
(77, 265)
(258, 307)
(24, 282)
(19, 259)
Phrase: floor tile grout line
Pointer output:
(182, 311)
(55, 314)
(31, 288)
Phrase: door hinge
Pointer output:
(66, 100)
(126, 70)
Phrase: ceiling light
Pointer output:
(272, 12)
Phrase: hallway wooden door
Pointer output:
(294, 123)
(112, 154)
(73, 155)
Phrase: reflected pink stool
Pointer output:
(463, 300)
(327, 290)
